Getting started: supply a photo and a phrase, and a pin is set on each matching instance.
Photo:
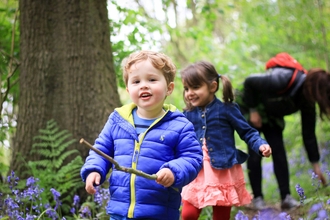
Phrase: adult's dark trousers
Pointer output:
(274, 136)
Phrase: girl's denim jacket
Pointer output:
(217, 123)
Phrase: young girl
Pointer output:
(220, 183)
(149, 136)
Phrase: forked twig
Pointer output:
(117, 166)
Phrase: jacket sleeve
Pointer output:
(95, 162)
(273, 81)
(308, 123)
(189, 157)
(247, 133)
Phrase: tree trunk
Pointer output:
(66, 72)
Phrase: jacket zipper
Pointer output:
(134, 165)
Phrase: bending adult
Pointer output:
(265, 108)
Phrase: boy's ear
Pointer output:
(213, 86)
(170, 88)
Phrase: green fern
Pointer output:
(51, 144)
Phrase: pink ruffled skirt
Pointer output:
(213, 187)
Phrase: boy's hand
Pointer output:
(165, 177)
(265, 150)
(92, 179)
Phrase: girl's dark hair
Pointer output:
(204, 72)
(317, 89)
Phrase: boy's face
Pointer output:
(148, 88)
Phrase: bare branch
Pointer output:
(117, 166)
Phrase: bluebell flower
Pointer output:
(241, 216)
(85, 212)
(73, 210)
(284, 216)
(301, 193)
(56, 198)
(76, 200)
(322, 214)
(30, 181)
(51, 214)
(316, 181)
(30, 217)
(315, 208)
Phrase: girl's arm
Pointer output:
(247, 133)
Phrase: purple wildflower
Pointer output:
(76, 200)
(315, 208)
(241, 216)
(52, 214)
(301, 193)
(101, 196)
(73, 210)
(284, 216)
(316, 181)
(85, 212)
(322, 214)
(12, 180)
(56, 198)
(75, 204)
(30, 217)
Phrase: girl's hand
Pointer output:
(165, 177)
(92, 179)
(265, 150)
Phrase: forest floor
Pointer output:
(273, 212)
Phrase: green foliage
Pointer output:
(137, 30)
(3, 166)
(52, 145)
(9, 43)
(9, 51)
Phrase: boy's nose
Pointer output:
(144, 86)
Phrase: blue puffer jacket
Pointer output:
(170, 142)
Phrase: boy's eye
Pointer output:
(152, 80)
(136, 81)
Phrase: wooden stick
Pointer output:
(117, 166)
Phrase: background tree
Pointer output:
(66, 72)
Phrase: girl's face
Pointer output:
(148, 89)
(199, 96)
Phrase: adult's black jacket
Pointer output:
(262, 92)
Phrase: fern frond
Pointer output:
(52, 143)
(62, 147)
(60, 137)
(58, 161)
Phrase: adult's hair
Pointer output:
(316, 88)
(158, 60)
(202, 72)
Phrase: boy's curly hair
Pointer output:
(159, 61)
